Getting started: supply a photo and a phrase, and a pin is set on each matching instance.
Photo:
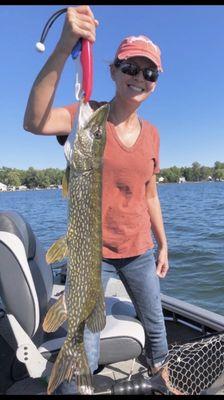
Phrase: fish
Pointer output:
(83, 301)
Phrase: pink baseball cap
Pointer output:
(141, 46)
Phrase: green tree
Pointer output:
(31, 178)
(218, 165)
(205, 172)
(55, 175)
(218, 174)
(43, 180)
(171, 174)
(22, 175)
(3, 174)
(187, 173)
(13, 178)
(196, 171)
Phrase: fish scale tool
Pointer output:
(82, 53)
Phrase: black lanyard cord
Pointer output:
(40, 45)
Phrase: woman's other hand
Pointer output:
(162, 265)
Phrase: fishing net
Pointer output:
(195, 366)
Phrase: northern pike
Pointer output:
(84, 298)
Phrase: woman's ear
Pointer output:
(153, 88)
(112, 71)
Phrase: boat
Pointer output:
(28, 286)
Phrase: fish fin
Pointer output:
(97, 319)
(57, 251)
(65, 181)
(72, 364)
(56, 315)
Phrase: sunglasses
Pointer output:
(129, 68)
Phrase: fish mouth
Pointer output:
(102, 114)
(98, 118)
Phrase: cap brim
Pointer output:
(125, 55)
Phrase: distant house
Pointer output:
(11, 188)
(182, 179)
(209, 178)
(161, 179)
(3, 187)
(22, 187)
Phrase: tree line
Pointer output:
(195, 173)
(32, 178)
(43, 178)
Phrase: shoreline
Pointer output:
(59, 187)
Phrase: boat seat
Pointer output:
(27, 289)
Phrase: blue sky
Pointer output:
(187, 106)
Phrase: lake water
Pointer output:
(194, 221)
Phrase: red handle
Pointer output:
(86, 58)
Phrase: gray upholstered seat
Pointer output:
(27, 289)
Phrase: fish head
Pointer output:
(98, 133)
(97, 122)
(91, 140)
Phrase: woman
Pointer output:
(130, 204)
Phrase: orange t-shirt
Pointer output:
(126, 227)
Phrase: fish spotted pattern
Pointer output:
(84, 297)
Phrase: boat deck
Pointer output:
(122, 370)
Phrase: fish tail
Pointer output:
(71, 364)
(56, 315)
(57, 251)
(65, 182)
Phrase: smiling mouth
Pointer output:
(136, 89)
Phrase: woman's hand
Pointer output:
(162, 265)
(79, 23)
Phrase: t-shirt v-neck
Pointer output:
(117, 138)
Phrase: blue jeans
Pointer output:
(138, 275)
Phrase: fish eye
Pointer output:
(98, 134)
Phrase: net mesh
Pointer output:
(195, 366)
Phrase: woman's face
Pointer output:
(134, 88)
